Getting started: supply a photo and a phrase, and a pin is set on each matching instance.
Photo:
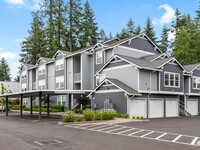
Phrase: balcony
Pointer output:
(34, 85)
(77, 77)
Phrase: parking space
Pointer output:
(139, 133)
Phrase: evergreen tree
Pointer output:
(130, 28)
(75, 18)
(34, 46)
(102, 36)
(138, 30)
(149, 30)
(198, 13)
(110, 36)
(164, 43)
(90, 34)
(123, 34)
(4, 70)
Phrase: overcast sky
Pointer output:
(111, 15)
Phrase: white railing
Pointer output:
(77, 77)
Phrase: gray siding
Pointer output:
(109, 54)
(51, 76)
(30, 80)
(197, 74)
(76, 69)
(118, 100)
(127, 75)
(186, 84)
(174, 69)
(115, 64)
(70, 73)
(129, 52)
(41, 77)
(144, 80)
(141, 44)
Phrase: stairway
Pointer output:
(182, 110)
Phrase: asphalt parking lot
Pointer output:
(28, 134)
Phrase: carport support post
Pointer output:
(31, 105)
(40, 105)
(70, 101)
(6, 105)
(21, 105)
(48, 105)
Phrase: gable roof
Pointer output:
(111, 41)
(64, 53)
(191, 67)
(46, 60)
(122, 86)
(28, 65)
(151, 58)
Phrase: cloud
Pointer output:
(168, 16)
(171, 35)
(19, 40)
(8, 55)
(15, 2)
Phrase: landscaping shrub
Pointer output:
(79, 118)
(108, 114)
(88, 114)
(78, 111)
(138, 117)
(98, 115)
(87, 106)
(69, 116)
(17, 107)
(119, 115)
(141, 118)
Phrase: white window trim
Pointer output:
(98, 57)
(58, 63)
(24, 74)
(174, 79)
(62, 99)
(59, 80)
(41, 68)
(196, 84)
(41, 83)
(23, 86)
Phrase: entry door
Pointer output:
(138, 107)
(192, 106)
(156, 108)
(171, 107)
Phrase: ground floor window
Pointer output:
(61, 100)
(25, 101)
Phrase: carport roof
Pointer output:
(50, 92)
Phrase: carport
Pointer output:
(39, 94)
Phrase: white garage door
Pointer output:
(138, 107)
(156, 108)
(192, 106)
(171, 107)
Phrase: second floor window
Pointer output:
(41, 69)
(172, 79)
(59, 64)
(41, 84)
(59, 82)
(24, 87)
(24, 74)
(196, 82)
(99, 57)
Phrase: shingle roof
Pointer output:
(191, 67)
(151, 57)
(66, 52)
(160, 62)
(46, 59)
(123, 86)
(29, 65)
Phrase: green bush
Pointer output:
(69, 116)
(108, 114)
(138, 117)
(88, 114)
(134, 117)
(79, 118)
(126, 116)
(17, 107)
(78, 111)
(98, 115)
(141, 118)
(87, 106)
(119, 115)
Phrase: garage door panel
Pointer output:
(138, 107)
(156, 108)
(171, 107)
(192, 106)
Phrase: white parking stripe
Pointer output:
(160, 136)
(115, 129)
(194, 141)
(147, 134)
(176, 138)
(101, 126)
(125, 131)
(135, 132)
(108, 128)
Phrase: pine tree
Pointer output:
(149, 30)
(164, 43)
(130, 28)
(4, 70)
(138, 30)
(110, 36)
(198, 13)
(34, 46)
(102, 36)
(123, 34)
(90, 34)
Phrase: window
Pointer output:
(24, 87)
(61, 100)
(41, 84)
(196, 82)
(172, 79)
(59, 82)
(59, 64)
(99, 57)
(25, 101)
(41, 69)
(24, 74)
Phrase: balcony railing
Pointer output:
(77, 77)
